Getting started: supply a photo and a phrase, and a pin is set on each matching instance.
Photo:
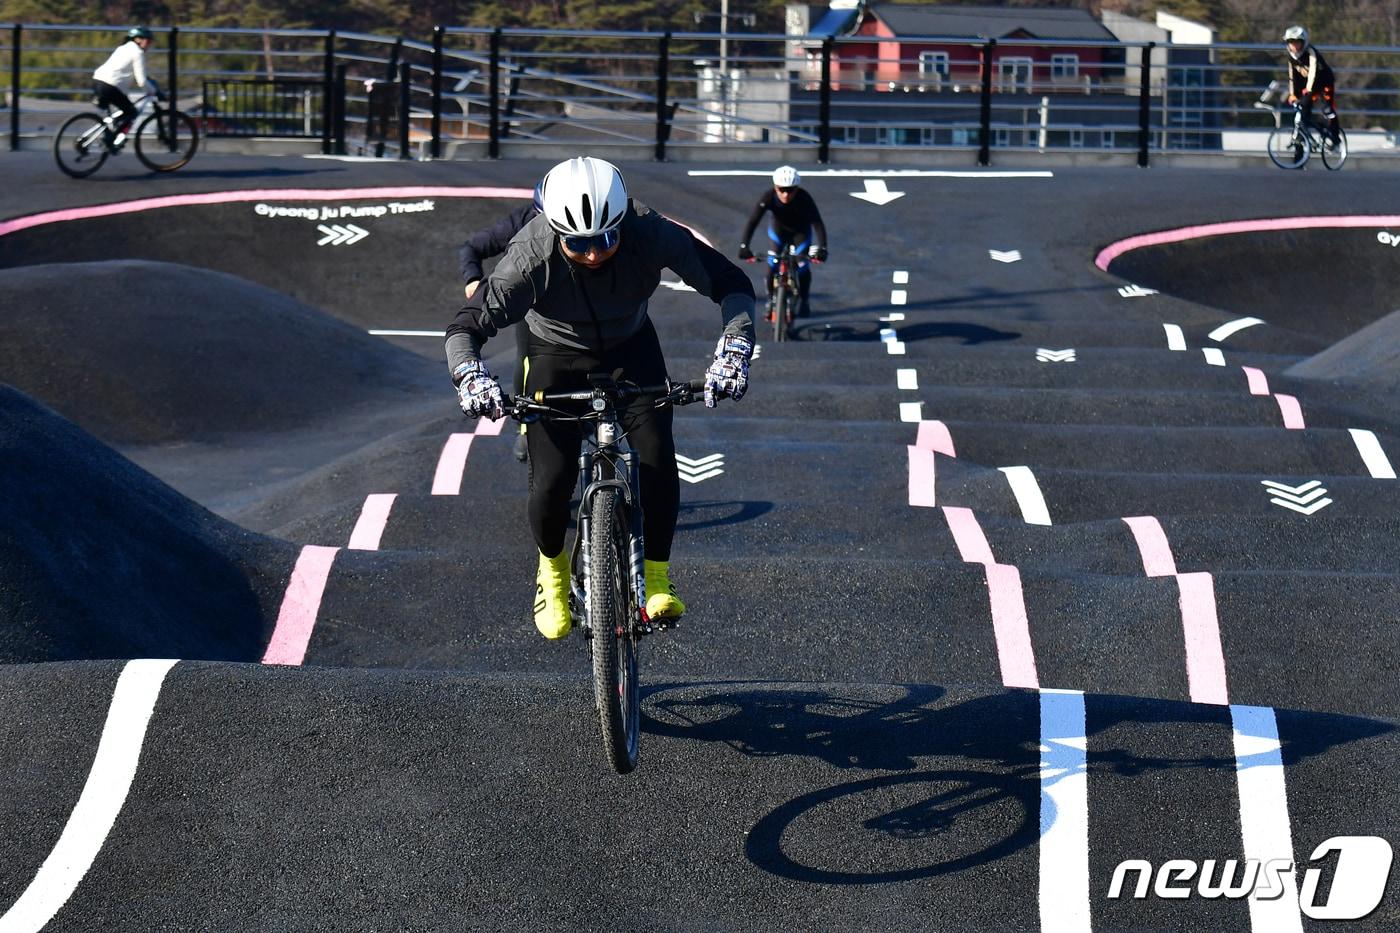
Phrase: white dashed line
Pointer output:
(1214, 355)
(1232, 327)
(899, 296)
(1176, 339)
(901, 277)
(892, 317)
(1264, 822)
(108, 783)
(911, 411)
(891, 341)
(408, 333)
(908, 379)
(1370, 449)
(1064, 813)
(1028, 494)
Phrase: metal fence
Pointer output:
(500, 91)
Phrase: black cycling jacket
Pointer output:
(1311, 74)
(794, 218)
(492, 241)
(568, 305)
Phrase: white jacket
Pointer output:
(126, 65)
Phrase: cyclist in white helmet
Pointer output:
(795, 219)
(580, 276)
(1311, 80)
(125, 65)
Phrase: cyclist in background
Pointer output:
(126, 64)
(795, 219)
(482, 245)
(580, 276)
(1310, 80)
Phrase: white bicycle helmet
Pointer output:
(583, 197)
(786, 176)
(1295, 33)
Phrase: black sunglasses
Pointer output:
(602, 242)
(788, 190)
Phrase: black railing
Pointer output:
(278, 108)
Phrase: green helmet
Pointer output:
(138, 32)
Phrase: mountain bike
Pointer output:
(1291, 147)
(784, 291)
(165, 138)
(607, 592)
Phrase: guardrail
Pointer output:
(682, 92)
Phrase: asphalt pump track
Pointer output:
(1065, 534)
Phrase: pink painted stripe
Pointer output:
(1292, 412)
(1012, 628)
(488, 428)
(259, 194)
(1205, 658)
(1157, 560)
(374, 515)
(921, 477)
(300, 604)
(933, 435)
(1114, 250)
(452, 464)
(1258, 382)
(972, 543)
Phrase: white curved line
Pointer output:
(113, 768)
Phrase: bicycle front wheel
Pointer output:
(1287, 152)
(1334, 158)
(613, 640)
(781, 300)
(166, 140)
(78, 146)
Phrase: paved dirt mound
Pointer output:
(99, 559)
(1327, 283)
(1370, 357)
(146, 352)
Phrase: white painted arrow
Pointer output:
(1293, 490)
(1054, 356)
(1297, 498)
(703, 461)
(697, 471)
(1232, 327)
(1010, 255)
(1317, 506)
(678, 286)
(336, 235)
(877, 192)
(1136, 291)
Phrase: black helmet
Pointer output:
(138, 32)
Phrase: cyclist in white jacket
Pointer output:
(127, 65)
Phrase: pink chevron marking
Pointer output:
(300, 604)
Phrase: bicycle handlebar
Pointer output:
(520, 407)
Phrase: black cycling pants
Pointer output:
(554, 447)
(780, 238)
(1326, 94)
(109, 95)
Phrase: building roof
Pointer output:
(994, 22)
(836, 21)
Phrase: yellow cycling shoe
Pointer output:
(552, 596)
(663, 605)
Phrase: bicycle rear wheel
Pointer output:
(1335, 157)
(166, 140)
(613, 640)
(1285, 152)
(78, 146)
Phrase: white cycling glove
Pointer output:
(478, 392)
(728, 375)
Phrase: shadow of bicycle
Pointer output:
(959, 781)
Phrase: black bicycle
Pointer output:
(607, 594)
(1291, 147)
(785, 291)
(165, 138)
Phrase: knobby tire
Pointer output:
(613, 641)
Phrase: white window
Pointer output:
(1106, 139)
(1001, 137)
(1064, 66)
(933, 63)
(1014, 74)
(1076, 139)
